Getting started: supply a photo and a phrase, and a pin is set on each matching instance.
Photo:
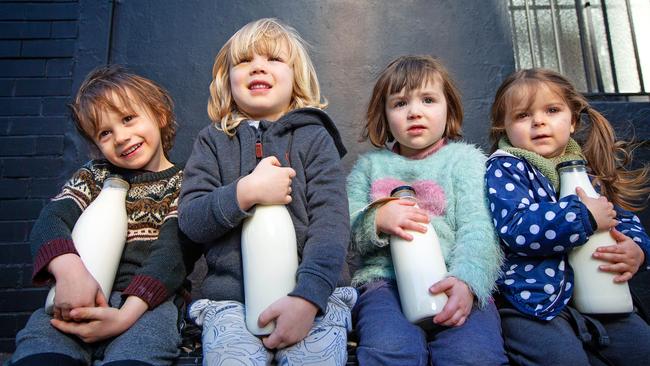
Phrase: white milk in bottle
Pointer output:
(270, 261)
(594, 291)
(418, 264)
(99, 235)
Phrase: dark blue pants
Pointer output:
(573, 339)
(387, 338)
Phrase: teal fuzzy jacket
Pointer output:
(450, 186)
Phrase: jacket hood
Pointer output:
(304, 117)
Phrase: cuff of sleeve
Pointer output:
(149, 289)
(369, 227)
(313, 289)
(226, 209)
(587, 218)
(481, 294)
(45, 254)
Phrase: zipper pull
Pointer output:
(259, 153)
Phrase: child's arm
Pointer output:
(92, 324)
(630, 254)
(75, 286)
(476, 256)
(542, 228)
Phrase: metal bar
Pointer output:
(530, 34)
(584, 47)
(109, 54)
(612, 64)
(515, 40)
(594, 50)
(558, 49)
(636, 50)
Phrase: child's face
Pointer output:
(543, 127)
(417, 120)
(262, 86)
(131, 140)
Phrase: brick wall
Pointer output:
(37, 46)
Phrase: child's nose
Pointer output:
(258, 66)
(121, 135)
(413, 112)
(539, 119)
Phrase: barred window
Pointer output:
(602, 45)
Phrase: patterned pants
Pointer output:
(226, 341)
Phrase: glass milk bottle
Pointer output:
(594, 291)
(270, 261)
(418, 264)
(99, 235)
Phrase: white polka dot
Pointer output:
(534, 229)
(489, 167)
(558, 248)
(521, 240)
(566, 301)
(530, 193)
(510, 273)
(534, 246)
(517, 177)
(553, 199)
(510, 187)
(514, 266)
(504, 212)
(494, 221)
(541, 192)
(561, 266)
(534, 206)
(563, 205)
(492, 191)
(530, 280)
(525, 200)
(507, 165)
(525, 295)
(570, 216)
(509, 282)
(521, 205)
(636, 239)
(520, 221)
(497, 173)
(522, 254)
(549, 272)
(548, 318)
(503, 230)
(549, 234)
(549, 289)
(538, 307)
(574, 238)
(567, 286)
(635, 218)
(492, 207)
(550, 215)
(531, 176)
(528, 267)
(552, 297)
(520, 166)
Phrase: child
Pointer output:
(130, 121)
(534, 115)
(270, 144)
(416, 104)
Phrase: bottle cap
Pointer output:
(403, 191)
(571, 163)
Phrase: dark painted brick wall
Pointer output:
(37, 45)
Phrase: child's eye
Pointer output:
(243, 60)
(103, 134)
(399, 103)
(521, 115)
(428, 100)
(128, 118)
(553, 110)
(276, 58)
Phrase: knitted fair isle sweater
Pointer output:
(449, 184)
(152, 265)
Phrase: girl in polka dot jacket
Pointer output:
(534, 115)
(415, 104)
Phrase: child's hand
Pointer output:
(601, 209)
(75, 286)
(93, 324)
(269, 184)
(626, 257)
(396, 216)
(459, 304)
(294, 317)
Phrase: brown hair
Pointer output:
(265, 37)
(607, 158)
(409, 72)
(99, 90)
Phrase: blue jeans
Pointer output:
(153, 339)
(573, 339)
(387, 338)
